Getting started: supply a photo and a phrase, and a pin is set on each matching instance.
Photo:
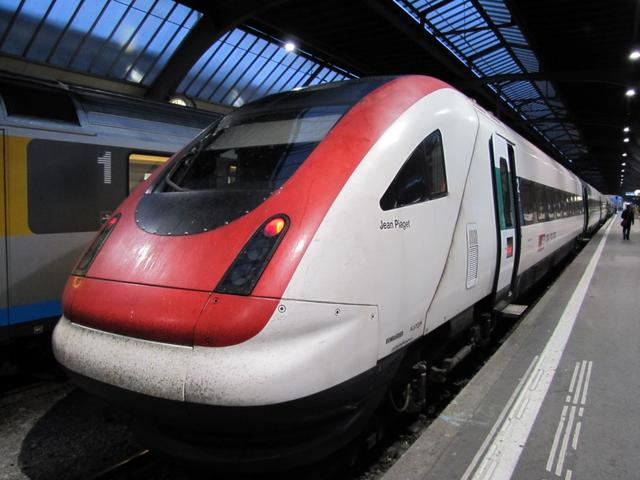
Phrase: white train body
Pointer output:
(364, 287)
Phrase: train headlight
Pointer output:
(91, 253)
(246, 269)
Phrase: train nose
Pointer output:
(167, 315)
(148, 312)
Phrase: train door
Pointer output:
(4, 299)
(585, 207)
(504, 179)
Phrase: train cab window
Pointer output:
(421, 178)
(141, 165)
(264, 150)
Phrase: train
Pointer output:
(303, 261)
(68, 156)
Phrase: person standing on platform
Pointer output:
(627, 221)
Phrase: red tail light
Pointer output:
(91, 253)
(246, 269)
(274, 227)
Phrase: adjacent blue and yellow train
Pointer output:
(68, 157)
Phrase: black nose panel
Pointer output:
(187, 213)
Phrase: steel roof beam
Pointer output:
(484, 28)
(613, 76)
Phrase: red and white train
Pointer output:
(264, 289)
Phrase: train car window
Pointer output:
(541, 203)
(23, 101)
(421, 178)
(506, 193)
(141, 166)
(557, 206)
(528, 201)
(551, 211)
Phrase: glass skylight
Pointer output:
(482, 35)
(246, 64)
(122, 39)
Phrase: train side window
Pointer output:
(551, 212)
(421, 178)
(557, 206)
(528, 201)
(541, 203)
(43, 104)
(141, 166)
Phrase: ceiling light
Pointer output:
(290, 47)
(624, 154)
(622, 170)
(182, 101)
(624, 164)
(625, 129)
(625, 139)
(631, 92)
(634, 55)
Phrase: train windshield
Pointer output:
(253, 152)
(237, 164)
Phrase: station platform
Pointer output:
(560, 399)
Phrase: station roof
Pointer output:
(555, 71)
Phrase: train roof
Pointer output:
(26, 98)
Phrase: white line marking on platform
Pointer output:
(586, 384)
(581, 411)
(509, 443)
(569, 475)
(573, 378)
(576, 436)
(496, 425)
(556, 438)
(583, 369)
(565, 441)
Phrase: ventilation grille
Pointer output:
(472, 255)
